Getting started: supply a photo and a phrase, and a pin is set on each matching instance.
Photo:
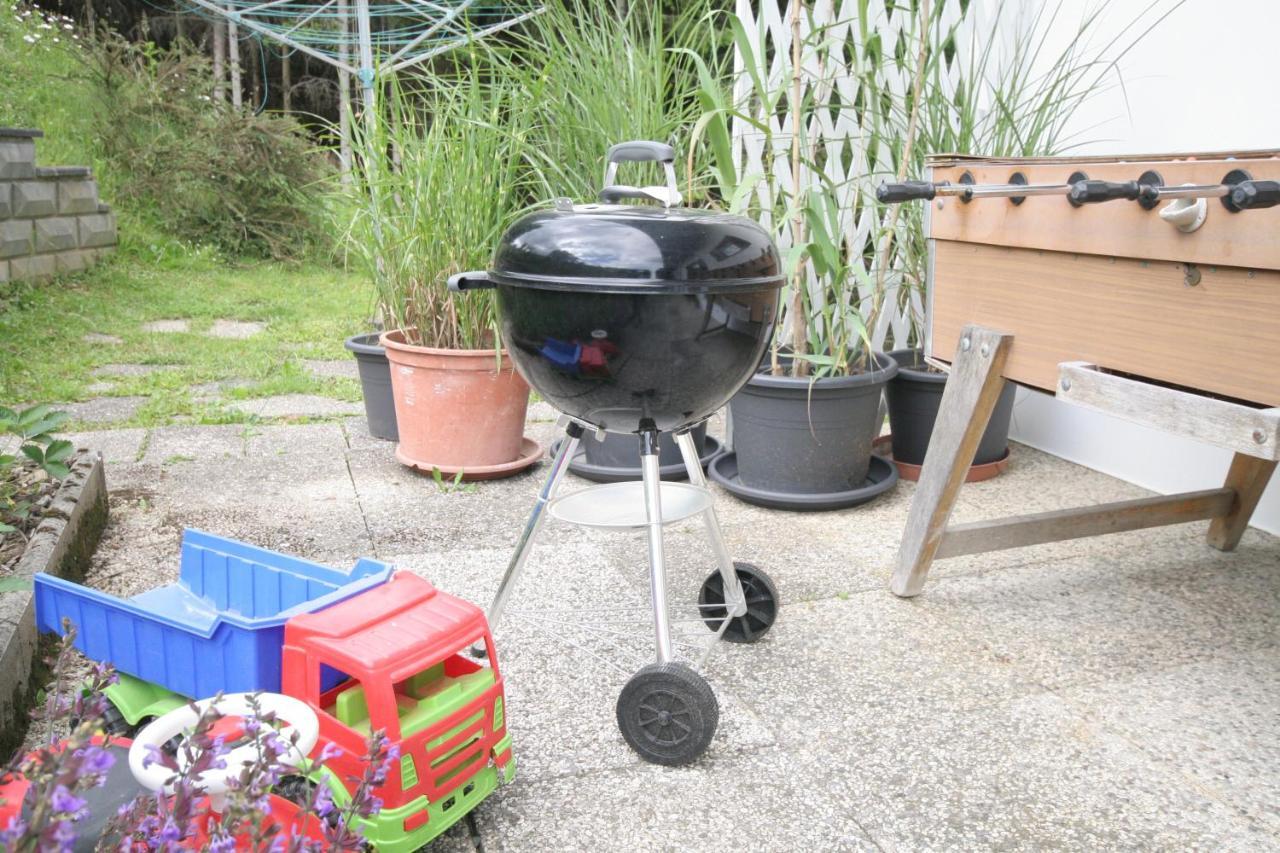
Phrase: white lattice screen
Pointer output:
(852, 161)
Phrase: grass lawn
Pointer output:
(308, 310)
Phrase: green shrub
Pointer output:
(247, 184)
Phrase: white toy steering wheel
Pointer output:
(296, 716)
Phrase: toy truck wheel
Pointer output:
(114, 723)
(668, 714)
(762, 604)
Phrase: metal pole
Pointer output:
(559, 465)
(657, 557)
(365, 33)
(734, 599)
(344, 97)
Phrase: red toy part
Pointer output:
(402, 647)
(283, 814)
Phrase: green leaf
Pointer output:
(57, 470)
(59, 450)
(34, 453)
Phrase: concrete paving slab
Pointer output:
(206, 443)
(99, 387)
(131, 369)
(103, 410)
(839, 666)
(930, 723)
(299, 406)
(1232, 752)
(235, 329)
(326, 369)
(99, 338)
(117, 446)
(166, 327)
(1032, 774)
(206, 391)
(285, 445)
(770, 800)
(1077, 621)
(359, 437)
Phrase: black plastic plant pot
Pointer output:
(375, 383)
(622, 451)
(914, 396)
(804, 436)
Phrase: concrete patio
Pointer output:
(1112, 693)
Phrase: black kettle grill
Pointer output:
(636, 318)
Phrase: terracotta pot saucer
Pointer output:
(530, 453)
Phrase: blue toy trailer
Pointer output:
(219, 628)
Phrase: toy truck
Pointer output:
(367, 649)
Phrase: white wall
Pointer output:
(1186, 88)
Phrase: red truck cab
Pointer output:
(396, 658)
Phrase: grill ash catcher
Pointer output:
(643, 319)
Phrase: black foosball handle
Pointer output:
(1092, 192)
(1255, 195)
(906, 191)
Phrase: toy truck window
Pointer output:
(344, 698)
(438, 690)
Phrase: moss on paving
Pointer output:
(308, 311)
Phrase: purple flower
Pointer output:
(64, 802)
(171, 832)
(329, 753)
(16, 829)
(94, 760)
(153, 756)
(324, 801)
(222, 845)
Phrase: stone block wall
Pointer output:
(51, 220)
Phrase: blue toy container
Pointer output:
(220, 627)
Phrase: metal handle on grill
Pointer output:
(640, 151)
(464, 281)
(1255, 195)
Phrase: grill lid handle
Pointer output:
(668, 196)
(464, 281)
(641, 151)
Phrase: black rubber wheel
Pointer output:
(299, 790)
(762, 604)
(114, 723)
(667, 713)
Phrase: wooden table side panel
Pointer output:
(1121, 228)
(1221, 336)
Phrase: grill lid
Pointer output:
(619, 248)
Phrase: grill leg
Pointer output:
(734, 599)
(573, 432)
(657, 557)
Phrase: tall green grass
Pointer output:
(443, 168)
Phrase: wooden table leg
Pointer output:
(977, 377)
(1248, 476)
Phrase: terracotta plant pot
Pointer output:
(457, 410)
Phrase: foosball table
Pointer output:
(1146, 287)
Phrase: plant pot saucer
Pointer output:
(609, 474)
(976, 474)
(530, 452)
(881, 477)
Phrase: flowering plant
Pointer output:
(62, 768)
